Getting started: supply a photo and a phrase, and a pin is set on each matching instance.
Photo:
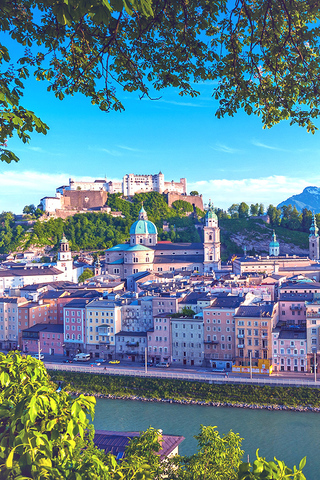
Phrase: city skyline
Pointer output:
(228, 160)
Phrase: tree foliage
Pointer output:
(45, 434)
(263, 57)
(85, 275)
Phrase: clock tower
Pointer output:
(65, 262)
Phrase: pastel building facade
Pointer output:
(160, 340)
(103, 321)
(219, 332)
(47, 338)
(74, 321)
(131, 346)
(187, 341)
(313, 330)
(254, 325)
(289, 350)
(9, 322)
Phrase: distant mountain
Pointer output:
(309, 198)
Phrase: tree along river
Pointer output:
(288, 436)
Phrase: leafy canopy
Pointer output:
(263, 56)
(45, 434)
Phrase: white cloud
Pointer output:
(130, 149)
(113, 153)
(219, 147)
(256, 143)
(266, 190)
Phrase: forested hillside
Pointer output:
(98, 231)
(242, 226)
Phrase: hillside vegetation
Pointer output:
(98, 231)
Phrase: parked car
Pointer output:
(114, 361)
(163, 364)
(100, 360)
(37, 356)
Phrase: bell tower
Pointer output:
(211, 241)
(314, 240)
(65, 262)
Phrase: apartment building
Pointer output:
(289, 349)
(74, 321)
(187, 341)
(9, 323)
(254, 325)
(160, 339)
(46, 337)
(103, 321)
(219, 332)
(131, 346)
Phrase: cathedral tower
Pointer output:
(314, 240)
(211, 241)
(274, 246)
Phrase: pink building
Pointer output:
(289, 350)
(292, 308)
(219, 331)
(159, 340)
(74, 321)
(49, 337)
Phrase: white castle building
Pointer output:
(129, 185)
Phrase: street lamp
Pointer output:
(314, 351)
(145, 360)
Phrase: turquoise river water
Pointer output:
(287, 435)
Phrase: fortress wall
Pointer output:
(80, 199)
(193, 199)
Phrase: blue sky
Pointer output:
(228, 160)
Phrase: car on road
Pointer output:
(163, 364)
(100, 360)
(114, 362)
(37, 356)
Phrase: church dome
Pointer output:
(143, 227)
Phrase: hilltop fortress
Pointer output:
(81, 196)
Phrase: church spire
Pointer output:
(314, 228)
(143, 214)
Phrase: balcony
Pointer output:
(211, 342)
(240, 345)
(313, 314)
(240, 335)
(295, 307)
(132, 344)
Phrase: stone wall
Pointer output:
(193, 199)
(83, 199)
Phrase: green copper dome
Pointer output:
(143, 226)
(313, 229)
(211, 214)
(274, 243)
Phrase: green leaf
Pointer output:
(302, 463)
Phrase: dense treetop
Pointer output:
(263, 56)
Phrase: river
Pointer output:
(288, 436)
